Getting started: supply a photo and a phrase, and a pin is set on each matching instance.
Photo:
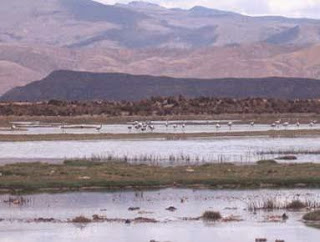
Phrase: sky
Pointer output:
(289, 8)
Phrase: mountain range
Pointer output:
(41, 36)
(84, 86)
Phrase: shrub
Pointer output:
(211, 216)
(312, 216)
(267, 162)
(81, 219)
(296, 204)
(287, 157)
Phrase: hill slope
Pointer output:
(40, 36)
(255, 61)
(85, 23)
(70, 85)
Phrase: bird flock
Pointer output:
(149, 126)
(279, 123)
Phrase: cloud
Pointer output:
(289, 8)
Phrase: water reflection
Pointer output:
(172, 228)
(154, 151)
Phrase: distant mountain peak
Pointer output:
(143, 5)
(207, 12)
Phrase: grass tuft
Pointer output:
(267, 162)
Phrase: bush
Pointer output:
(312, 216)
(267, 162)
(81, 219)
(211, 216)
(287, 157)
(296, 204)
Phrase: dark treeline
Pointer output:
(161, 106)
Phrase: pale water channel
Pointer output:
(164, 152)
(189, 128)
(17, 224)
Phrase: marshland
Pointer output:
(159, 121)
(91, 177)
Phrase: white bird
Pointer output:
(278, 122)
(298, 124)
(273, 125)
(175, 126)
(99, 128)
(252, 124)
(230, 124)
(285, 124)
(218, 126)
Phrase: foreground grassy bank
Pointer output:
(89, 175)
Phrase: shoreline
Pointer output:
(165, 136)
(259, 118)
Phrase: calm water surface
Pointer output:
(232, 149)
(152, 204)
(200, 127)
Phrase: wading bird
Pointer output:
(99, 128)
(285, 124)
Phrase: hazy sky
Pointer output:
(290, 8)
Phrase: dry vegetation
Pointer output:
(173, 136)
(161, 106)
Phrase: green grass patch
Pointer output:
(267, 162)
(88, 174)
(312, 216)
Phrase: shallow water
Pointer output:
(170, 226)
(233, 149)
(191, 127)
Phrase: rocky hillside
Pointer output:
(70, 85)
(85, 23)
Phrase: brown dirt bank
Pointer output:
(180, 136)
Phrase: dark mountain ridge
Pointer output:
(72, 85)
